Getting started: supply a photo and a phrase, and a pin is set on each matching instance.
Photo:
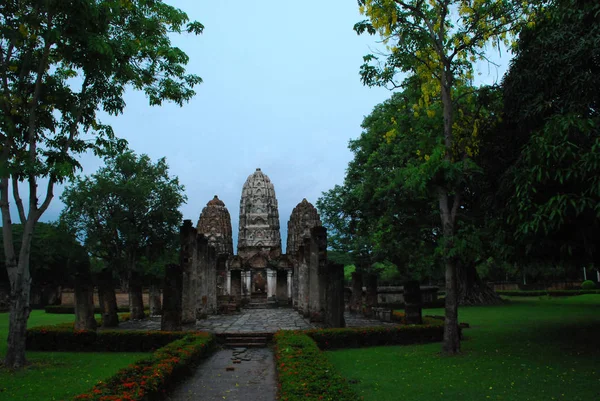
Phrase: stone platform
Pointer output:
(253, 321)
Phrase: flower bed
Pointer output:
(150, 378)
(304, 373)
(431, 331)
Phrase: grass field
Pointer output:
(525, 350)
(56, 375)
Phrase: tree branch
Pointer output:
(18, 200)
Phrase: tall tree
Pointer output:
(61, 61)
(552, 93)
(127, 213)
(438, 40)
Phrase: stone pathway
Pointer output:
(253, 321)
(250, 378)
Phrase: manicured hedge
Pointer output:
(150, 378)
(70, 309)
(64, 338)
(518, 293)
(305, 373)
(552, 293)
(431, 331)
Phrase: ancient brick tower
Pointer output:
(303, 218)
(215, 224)
(259, 218)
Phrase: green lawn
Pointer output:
(56, 375)
(528, 349)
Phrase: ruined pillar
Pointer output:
(172, 299)
(228, 283)
(271, 284)
(356, 300)
(413, 302)
(211, 280)
(295, 282)
(154, 298)
(289, 285)
(189, 265)
(334, 296)
(304, 278)
(371, 298)
(318, 275)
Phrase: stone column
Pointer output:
(289, 285)
(172, 299)
(356, 300)
(412, 302)
(271, 283)
(318, 260)
(202, 263)
(211, 280)
(228, 283)
(304, 278)
(295, 283)
(371, 298)
(189, 265)
(249, 283)
(334, 296)
(243, 275)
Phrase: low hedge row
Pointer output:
(552, 293)
(64, 338)
(150, 378)
(305, 373)
(432, 330)
(70, 309)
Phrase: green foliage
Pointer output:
(64, 338)
(152, 377)
(588, 285)
(303, 371)
(127, 213)
(535, 349)
(552, 104)
(55, 254)
(431, 331)
(69, 372)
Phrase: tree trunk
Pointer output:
(136, 302)
(106, 292)
(473, 291)
(84, 300)
(154, 301)
(20, 283)
(356, 300)
(451, 344)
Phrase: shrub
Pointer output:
(431, 331)
(150, 378)
(64, 338)
(70, 309)
(588, 285)
(518, 293)
(304, 373)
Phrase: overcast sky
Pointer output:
(281, 92)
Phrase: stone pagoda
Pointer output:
(215, 224)
(259, 218)
(303, 218)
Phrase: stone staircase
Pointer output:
(245, 340)
(258, 300)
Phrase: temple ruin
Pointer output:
(259, 275)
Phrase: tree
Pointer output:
(127, 214)
(437, 41)
(60, 62)
(553, 112)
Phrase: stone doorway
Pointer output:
(259, 282)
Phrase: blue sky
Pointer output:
(281, 92)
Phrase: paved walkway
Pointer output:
(253, 321)
(250, 378)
